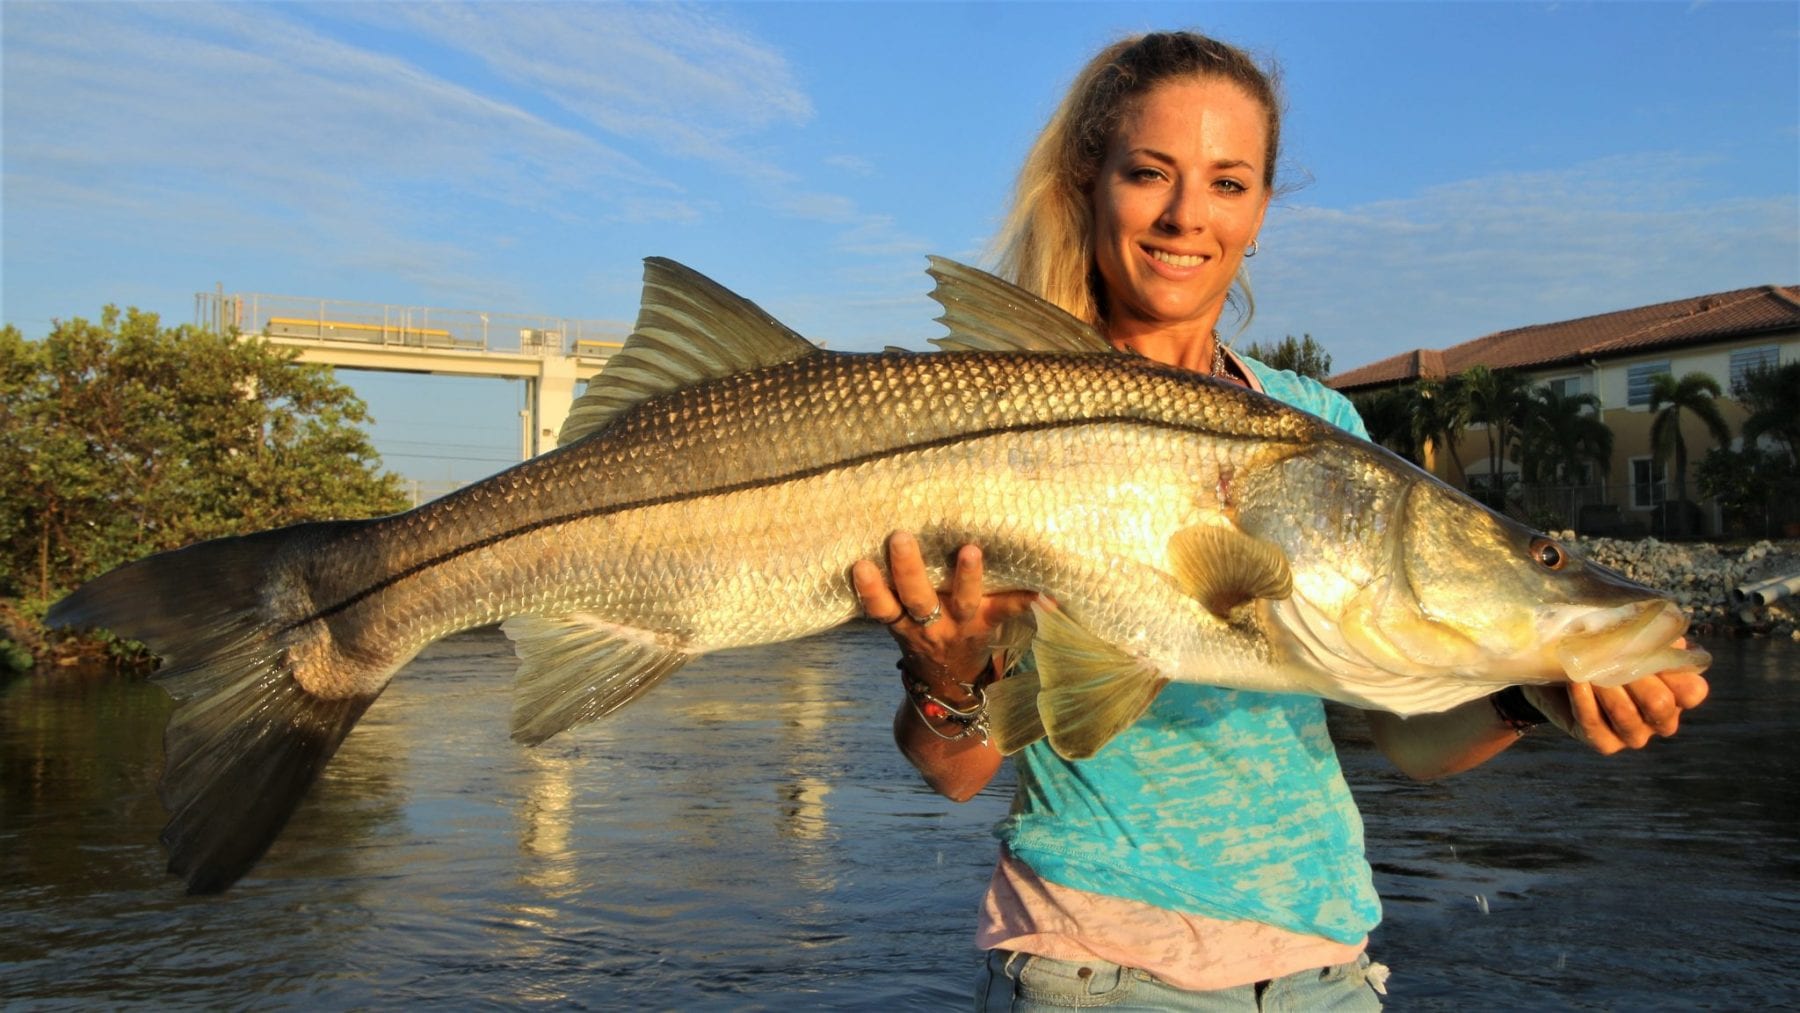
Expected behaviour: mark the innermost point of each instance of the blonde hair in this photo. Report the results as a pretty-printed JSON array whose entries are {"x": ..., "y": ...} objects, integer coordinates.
[{"x": 1046, "y": 244}]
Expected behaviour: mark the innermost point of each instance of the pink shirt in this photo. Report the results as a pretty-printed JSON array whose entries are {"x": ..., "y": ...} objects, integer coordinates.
[{"x": 1030, "y": 915}]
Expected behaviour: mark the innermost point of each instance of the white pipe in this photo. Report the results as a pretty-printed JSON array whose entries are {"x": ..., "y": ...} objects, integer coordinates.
[
  {"x": 1775, "y": 590},
  {"x": 1765, "y": 592}
]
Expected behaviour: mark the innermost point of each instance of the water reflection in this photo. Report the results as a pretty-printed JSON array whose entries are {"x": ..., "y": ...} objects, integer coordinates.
[{"x": 748, "y": 837}]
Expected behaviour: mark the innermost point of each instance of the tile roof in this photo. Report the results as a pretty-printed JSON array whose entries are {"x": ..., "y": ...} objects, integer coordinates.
[{"x": 1721, "y": 315}]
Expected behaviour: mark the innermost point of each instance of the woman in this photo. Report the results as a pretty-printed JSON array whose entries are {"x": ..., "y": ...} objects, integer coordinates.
[{"x": 1211, "y": 856}]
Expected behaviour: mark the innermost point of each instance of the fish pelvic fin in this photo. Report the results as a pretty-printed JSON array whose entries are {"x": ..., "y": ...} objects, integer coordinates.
[
  {"x": 987, "y": 314},
  {"x": 246, "y": 739},
  {"x": 1012, "y": 712},
  {"x": 1088, "y": 690},
  {"x": 690, "y": 329},
  {"x": 1222, "y": 567},
  {"x": 576, "y": 668}
]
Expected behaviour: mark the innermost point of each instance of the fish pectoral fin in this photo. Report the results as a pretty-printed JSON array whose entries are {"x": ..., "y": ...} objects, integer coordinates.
[
  {"x": 690, "y": 329},
  {"x": 576, "y": 668},
  {"x": 1012, "y": 712},
  {"x": 1223, "y": 567},
  {"x": 1088, "y": 690},
  {"x": 987, "y": 314}
]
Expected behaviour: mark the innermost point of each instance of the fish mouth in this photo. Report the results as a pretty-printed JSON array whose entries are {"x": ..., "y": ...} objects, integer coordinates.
[{"x": 1610, "y": 647}]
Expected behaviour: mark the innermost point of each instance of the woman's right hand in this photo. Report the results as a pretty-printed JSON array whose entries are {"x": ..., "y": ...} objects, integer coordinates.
[{"x": 947, "y": 640}]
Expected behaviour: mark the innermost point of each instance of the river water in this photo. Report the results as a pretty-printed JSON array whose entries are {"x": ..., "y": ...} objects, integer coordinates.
[{"x": 746, "y": 837}]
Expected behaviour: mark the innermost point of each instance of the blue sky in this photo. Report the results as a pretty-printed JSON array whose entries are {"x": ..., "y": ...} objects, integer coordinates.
[{"x": 1456, "y": 168}]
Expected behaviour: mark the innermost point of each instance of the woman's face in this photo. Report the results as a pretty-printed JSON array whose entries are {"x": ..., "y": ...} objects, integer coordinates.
[{"x": 1179, "y": 196}]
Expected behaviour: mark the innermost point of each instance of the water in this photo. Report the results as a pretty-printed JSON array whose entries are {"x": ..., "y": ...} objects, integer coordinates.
[{"x": 746, "y": 837}]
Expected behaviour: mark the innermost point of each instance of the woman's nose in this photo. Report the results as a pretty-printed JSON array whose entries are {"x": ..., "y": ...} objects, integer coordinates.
[{"x": 1185, "y": 211}]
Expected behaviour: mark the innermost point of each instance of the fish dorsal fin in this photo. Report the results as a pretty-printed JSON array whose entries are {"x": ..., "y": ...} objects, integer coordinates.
[
  {"x": 986, "y": 314},
  {"x": 1223, "y": 567},
  {"x": 690, "y": 329},
  {"x": 1088, "y": 690},
  {"x": 576, "y": 668}
]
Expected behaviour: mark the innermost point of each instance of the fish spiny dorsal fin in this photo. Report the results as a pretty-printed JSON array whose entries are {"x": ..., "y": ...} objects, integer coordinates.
[
  {"x": 1223, "y": 568},
  {"x": 576, "y": 668},
  {"x": 1088, "y": 690},
  {"x": 986, "y": 314},
  {"x": 690, "y": 329}
]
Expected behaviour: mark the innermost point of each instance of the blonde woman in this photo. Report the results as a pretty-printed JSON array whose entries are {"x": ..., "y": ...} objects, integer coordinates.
[{"x": 1211, "y": 856}]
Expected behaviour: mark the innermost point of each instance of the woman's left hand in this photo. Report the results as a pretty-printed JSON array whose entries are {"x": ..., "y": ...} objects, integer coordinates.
[{"x": 1611, "y": 718}]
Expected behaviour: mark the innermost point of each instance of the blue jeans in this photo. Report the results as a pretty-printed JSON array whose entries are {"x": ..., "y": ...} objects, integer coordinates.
[{"x": 1023, "y": 983}]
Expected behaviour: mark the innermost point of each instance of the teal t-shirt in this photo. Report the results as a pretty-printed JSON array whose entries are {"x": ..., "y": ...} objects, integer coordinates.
[{"x": 1218, "y": 802}]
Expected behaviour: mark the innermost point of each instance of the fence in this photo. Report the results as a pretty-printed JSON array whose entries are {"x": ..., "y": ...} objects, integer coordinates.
[{"x": 415, "y": 326}]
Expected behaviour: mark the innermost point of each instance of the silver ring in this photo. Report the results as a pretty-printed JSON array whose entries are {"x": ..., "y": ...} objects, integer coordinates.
[{"x": 937, "y": 612}]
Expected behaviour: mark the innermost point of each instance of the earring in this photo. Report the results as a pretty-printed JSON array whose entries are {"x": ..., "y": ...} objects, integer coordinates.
[{"x": 1250, "y": 251}]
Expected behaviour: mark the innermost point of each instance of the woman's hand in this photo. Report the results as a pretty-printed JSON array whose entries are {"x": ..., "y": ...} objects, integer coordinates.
[
  {"x": 952, "y": 632},
  {"x": 1611, "y": 718},
  {"x": 947, "y": 640}
]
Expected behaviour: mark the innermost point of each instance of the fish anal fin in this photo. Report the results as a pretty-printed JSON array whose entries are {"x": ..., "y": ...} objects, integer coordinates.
[
  {"x": 577, "y": 668},
  {"x": 690, "y": 329},
  {"x": 1222, "y": 567},
  {"x": 1088, "y": 690},
  {"x": 984, "y": 313}
]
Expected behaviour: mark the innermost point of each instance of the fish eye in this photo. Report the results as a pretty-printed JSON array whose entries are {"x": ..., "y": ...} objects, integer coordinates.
[{"x": 1548, "y": 554}]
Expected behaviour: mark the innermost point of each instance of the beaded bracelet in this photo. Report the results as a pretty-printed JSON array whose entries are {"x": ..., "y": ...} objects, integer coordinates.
[{"x": 972, "y": 720}]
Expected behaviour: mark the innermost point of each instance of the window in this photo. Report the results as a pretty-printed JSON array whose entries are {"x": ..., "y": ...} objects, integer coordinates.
[
  {"x": 1745, "y": 360},
  {"x": 1638, "y": 379},
  {"x": 1646, "y": 483},
  {"x": 1566, "y": 386}
]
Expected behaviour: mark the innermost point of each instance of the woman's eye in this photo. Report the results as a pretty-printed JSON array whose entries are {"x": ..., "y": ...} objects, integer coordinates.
[
  {"x": 1146, "y": 175},
  {"x": 1231, "y": 186}
]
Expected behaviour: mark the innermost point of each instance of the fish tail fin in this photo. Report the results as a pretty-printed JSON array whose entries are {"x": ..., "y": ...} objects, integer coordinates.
[{"x": 247, "y": 738}]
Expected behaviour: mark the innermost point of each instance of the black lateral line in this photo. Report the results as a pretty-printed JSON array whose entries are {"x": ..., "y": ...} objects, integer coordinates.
[{"x": 736, "y": 487}]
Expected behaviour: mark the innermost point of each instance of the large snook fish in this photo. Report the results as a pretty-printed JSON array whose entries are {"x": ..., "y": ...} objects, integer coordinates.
[{"x": 718, "y": 480}]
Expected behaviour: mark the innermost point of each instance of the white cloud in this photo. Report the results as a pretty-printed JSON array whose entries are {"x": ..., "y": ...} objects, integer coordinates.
[
  {"x": 1513, "y": 249},
  {"x": 852, "y": 164},
  {"x": 409, "y": 139}
]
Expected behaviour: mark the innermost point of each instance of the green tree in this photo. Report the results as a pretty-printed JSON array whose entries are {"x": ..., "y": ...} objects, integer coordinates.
[
  {"x": 1304, "y": 356},
  {"x": 1440, "y": 413},
  {"x": 1562, "y": 434},
  {"x": 1694, "y": 394},
  {"x": 1772, "y": 397},
  {"x": 1387, "y": 415},
  {"x": 125, "y": 437},
  {"x": 1757, "y": 489},
  {"x": 1498, "y": 399}
]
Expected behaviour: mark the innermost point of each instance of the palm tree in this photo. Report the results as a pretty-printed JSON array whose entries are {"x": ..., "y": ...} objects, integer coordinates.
[
  {"x": 1387, "y": 415},
  {"x": 1694, "y": 393},
  {"x": 1499, "y": 399},
  {"x": 1561, "y": 436},
  {"x": 1563, "y": 433},
  {"x": 1772, "y": 396},
  {"x": 1440, "y": 413}
]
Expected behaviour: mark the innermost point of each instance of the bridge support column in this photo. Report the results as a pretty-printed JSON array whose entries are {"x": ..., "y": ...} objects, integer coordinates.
[{"x": 551, "y": 394}]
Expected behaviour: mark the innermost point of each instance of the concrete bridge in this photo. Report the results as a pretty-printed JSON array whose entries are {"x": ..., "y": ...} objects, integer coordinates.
[{"x": 551, "y": 355}]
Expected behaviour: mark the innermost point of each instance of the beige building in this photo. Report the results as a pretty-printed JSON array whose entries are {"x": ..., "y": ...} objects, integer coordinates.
[{"x": 1613, "y": 356}]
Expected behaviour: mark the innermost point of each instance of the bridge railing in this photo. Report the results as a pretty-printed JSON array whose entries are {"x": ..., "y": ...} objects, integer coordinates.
[{"x": 407, "y": 326}]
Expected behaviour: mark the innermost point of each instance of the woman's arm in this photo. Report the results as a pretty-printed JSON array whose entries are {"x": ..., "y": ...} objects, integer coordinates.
[
  {"x": 942, "y": 656},
  {"x": 1605, "y": 718}
]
